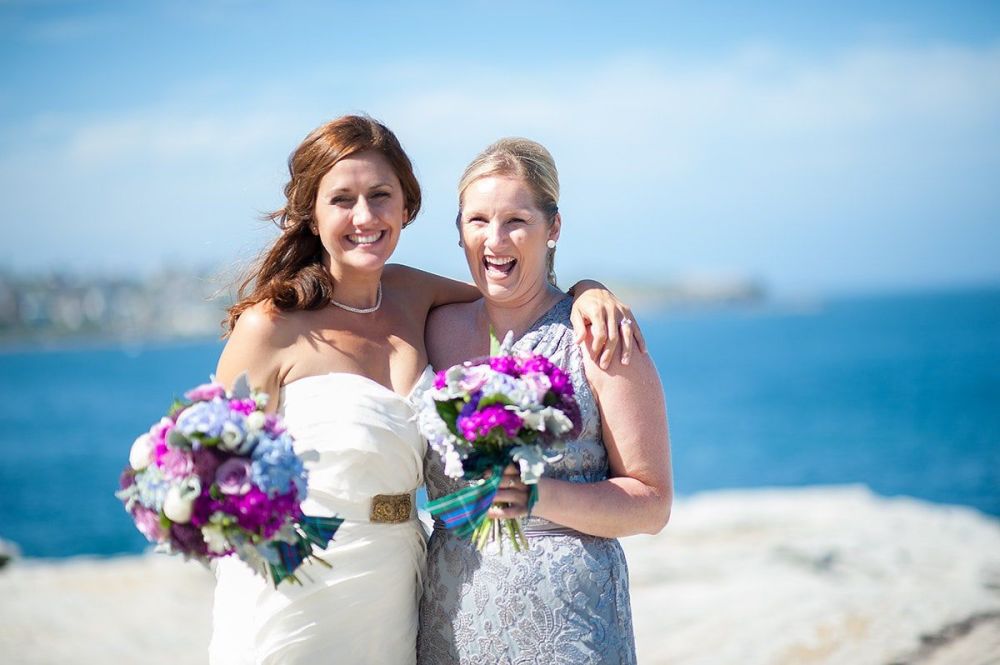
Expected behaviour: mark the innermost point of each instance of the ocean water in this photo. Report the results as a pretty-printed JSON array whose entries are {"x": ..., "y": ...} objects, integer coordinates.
[{"x": 901, "y": 393}]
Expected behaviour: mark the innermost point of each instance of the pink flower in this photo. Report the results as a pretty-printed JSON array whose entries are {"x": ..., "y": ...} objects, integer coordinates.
[
  {"x": 148, "y": 523},
  {"x": 175, "y": 463},
  {"x": 206, "y": 392},
  {"x": 475, "y": 378},
  {"x": 159, "y": 432}
]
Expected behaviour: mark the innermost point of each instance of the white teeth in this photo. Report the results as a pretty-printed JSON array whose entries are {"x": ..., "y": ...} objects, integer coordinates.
[
  {"x": 362, "y": 240},
  {"x": 497, "y": 261}
]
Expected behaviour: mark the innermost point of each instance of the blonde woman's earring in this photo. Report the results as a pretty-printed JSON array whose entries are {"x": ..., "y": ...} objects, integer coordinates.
[{"x": 551, "y": 244}]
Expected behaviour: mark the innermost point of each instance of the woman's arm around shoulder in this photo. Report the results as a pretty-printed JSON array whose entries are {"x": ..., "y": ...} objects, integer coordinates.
[
  {"x": 638, "y": 495},
  {"x": 258, "y": 346},
  {"x": 427, "y": 288}
]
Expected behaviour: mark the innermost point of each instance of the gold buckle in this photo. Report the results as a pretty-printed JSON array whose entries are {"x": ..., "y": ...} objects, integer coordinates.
[{"x": 391, "y": 508}]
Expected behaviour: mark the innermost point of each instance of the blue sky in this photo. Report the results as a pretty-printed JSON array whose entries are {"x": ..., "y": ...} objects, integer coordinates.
[{"x": 846, "y": 147}]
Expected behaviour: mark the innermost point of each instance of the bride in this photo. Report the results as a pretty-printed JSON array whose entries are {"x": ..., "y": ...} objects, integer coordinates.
[{"x": 336, "y": 337}]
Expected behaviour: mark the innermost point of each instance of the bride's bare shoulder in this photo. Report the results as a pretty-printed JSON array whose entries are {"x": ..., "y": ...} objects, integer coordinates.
[{"x": 263, "y": 323}]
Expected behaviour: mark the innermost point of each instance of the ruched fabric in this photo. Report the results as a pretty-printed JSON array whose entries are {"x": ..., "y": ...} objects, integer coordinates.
[{"x": 360, "y": 440}]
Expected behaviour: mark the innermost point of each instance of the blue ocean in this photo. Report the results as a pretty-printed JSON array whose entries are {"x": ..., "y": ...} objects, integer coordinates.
[{"x": 899, "y": 392}]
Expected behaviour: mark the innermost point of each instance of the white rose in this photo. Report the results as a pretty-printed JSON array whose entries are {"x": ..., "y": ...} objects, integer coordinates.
[
  {"x": 141, "y": 454},
  {"x": 232, "y": 436},
  {"x": 178, "y": 505},
  {"x": 256, "y": 420}
]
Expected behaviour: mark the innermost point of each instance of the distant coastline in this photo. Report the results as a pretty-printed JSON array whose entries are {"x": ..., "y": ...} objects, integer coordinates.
[{"x": 56, "y": 310}]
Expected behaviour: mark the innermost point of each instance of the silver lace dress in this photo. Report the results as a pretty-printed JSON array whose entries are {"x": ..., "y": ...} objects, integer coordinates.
[{"x": 566, "y": 599}]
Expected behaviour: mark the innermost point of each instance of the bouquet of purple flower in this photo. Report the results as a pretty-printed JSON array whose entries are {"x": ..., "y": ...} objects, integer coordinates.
[
  {"x": 217, "y": 477},
  {"x": 485, "y": 414}
]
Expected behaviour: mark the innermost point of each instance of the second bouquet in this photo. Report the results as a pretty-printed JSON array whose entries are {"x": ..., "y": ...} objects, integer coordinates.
[{"x": 483, "y": 415}]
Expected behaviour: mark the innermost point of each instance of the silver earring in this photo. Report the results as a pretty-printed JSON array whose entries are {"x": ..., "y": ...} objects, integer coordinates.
[{"x": 551, "y": 244}]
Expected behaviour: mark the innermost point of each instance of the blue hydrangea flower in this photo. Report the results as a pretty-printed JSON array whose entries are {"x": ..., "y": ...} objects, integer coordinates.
[
  {"x": 276, "y": 467},
  {"x": 152, "y": 488},
  {"x": 205, "y": 418}
]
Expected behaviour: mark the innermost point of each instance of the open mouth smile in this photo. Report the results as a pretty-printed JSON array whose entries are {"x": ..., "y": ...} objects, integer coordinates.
[{"x": 498, "y": 267}]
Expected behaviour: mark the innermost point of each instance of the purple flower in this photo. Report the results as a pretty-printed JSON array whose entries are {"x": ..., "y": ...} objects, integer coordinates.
[
  {"x": 244, "y": 406},
  {"x": 470, "y": 407},
  {"x": 188, "y": 538},
  {"x": 206, "y": 461},
  {"x": 148, "y": 523},
  {"x": 539, "y": 364},
  {"x": 175, "y": 463},
  {"x": 505, "y": 365},
  {"x": 233, "y": 476},
  {"x": 127, "y": 479},
  {"x": 481, "y": 423},
  {"x": 206, "y": 392},
  {"x": 255, "y": 511},
  {"x": 561, "y": 383},
  {"x": 440, "y": 380},
  {"x": 273, "y": 425}
]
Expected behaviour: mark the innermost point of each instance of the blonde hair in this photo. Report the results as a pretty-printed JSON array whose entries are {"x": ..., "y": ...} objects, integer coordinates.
[{"x": 519, "y": 158}]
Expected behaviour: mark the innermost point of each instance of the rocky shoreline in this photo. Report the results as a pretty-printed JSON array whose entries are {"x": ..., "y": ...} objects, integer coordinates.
[{"x": 772, "y": 577}]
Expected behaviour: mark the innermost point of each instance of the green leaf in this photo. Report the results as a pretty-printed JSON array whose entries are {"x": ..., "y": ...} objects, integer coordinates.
[
  {"x": 495, "y": 398},
  {"x": 494, "y": 342},
  {"x": 448, "y": 411}
]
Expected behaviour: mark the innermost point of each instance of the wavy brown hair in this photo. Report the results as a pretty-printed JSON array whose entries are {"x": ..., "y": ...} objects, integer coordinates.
[{"x": 291, "y": 273}]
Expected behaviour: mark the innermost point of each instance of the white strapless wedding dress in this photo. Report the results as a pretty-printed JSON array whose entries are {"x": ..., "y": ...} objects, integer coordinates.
[{"x": 364, "y": 608}]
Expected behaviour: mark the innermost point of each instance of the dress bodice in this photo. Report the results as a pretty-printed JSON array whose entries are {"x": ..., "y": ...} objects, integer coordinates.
[{"x": 358, "y": 438}]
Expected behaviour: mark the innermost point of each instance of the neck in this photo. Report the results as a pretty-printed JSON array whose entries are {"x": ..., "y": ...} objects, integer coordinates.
[
  {"x": 358, "y": 290},
  {"x": 517, "y": 316}
]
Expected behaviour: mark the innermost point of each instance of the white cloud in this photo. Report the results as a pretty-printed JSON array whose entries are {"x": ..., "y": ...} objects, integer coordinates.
[{"x": 758, "y": 161}]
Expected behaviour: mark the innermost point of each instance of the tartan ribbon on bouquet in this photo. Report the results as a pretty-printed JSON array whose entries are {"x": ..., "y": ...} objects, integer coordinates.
[{"x": 465, "y": 510}]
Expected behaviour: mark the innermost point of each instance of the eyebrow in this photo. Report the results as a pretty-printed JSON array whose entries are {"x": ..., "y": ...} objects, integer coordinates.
[
  {"x": 509, "y": 212},
  {"x": 338, "y": 190}
]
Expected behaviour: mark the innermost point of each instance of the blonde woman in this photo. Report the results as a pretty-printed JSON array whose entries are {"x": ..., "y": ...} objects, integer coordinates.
[{"x": 566, "y": 599}]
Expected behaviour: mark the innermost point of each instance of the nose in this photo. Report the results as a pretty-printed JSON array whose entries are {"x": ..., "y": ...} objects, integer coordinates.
[
  {"x": 362, "y": 212},
  {"x": 495, "y": 235}
]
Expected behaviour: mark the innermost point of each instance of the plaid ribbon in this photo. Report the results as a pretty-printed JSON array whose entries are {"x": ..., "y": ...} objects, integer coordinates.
[
  {"x": 463, "y": 511},
  {"x": 312, "y": 532}
]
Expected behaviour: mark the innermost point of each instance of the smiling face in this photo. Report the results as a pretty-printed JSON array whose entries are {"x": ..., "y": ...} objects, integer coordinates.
[
  {"x": 504, "y": 235},
  {"x": 359, "y": 213}
]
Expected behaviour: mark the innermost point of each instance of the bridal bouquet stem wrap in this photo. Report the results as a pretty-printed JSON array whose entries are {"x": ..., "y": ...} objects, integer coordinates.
[
  {"x": 219, "y": 477},
  {"x": 485, "y": 414}
]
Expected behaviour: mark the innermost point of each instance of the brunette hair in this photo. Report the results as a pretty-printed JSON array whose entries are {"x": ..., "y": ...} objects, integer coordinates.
[
  {"x": 525, "y": 159},
  {"x": 291, "y": 273}
]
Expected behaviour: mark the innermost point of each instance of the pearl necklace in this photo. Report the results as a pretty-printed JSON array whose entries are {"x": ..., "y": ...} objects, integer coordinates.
[{"x": 361, "y": 310}]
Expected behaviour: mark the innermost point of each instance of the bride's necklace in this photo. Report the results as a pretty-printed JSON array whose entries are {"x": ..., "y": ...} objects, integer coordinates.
[{"x": 361, "y": 310}]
